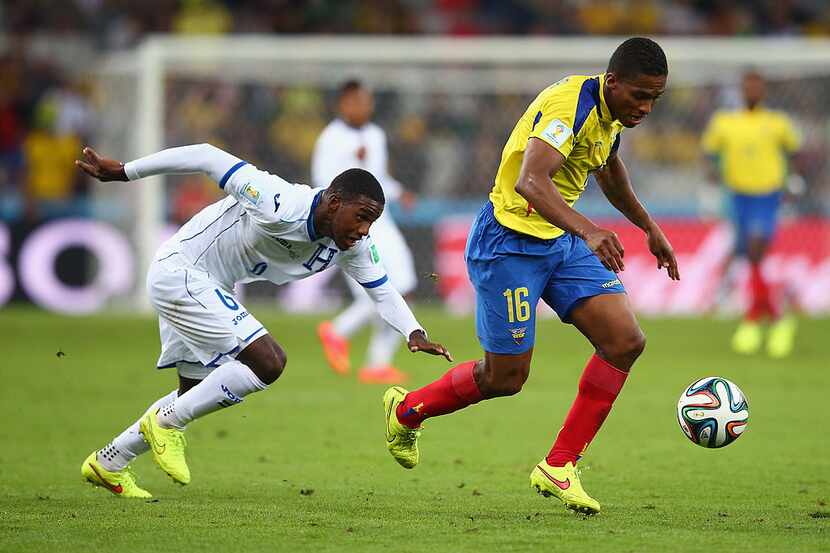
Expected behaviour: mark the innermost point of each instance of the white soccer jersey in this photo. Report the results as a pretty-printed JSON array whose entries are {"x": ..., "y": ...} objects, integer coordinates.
[
  {"x": 264, "y": 230},
  {"x": 340, "y": 147}
]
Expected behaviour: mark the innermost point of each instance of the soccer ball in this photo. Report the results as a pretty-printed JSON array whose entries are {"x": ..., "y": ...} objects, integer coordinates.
[{"x": 713, "y": 412}]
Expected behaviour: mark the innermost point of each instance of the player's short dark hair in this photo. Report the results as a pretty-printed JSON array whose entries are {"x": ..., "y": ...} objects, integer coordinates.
[
  {"x": 354, "y": 183},
  {"x": 349, "y": 86},
  {"x": 638, "y": 56}
]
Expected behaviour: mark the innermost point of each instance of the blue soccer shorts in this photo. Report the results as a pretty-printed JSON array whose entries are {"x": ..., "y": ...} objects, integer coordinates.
[
  {"x": 754, "y": 216},
  {"x": 511, "y": 271}
]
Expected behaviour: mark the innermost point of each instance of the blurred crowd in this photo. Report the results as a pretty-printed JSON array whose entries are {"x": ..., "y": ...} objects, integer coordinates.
[
  {"x": 120, "y": 23},
  {"x": 275, "y": 127},
  {"x": 45, "y": 116},
  {"x": 49, "y": 108}
]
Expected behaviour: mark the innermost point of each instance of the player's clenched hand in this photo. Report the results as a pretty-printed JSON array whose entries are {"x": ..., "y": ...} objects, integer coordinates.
[
  {"x": 418, "y": 342},
  {"x": 607, "y": 246},
  {"x": 102, "y": 168},
  {"x": 660, "y": 247}
]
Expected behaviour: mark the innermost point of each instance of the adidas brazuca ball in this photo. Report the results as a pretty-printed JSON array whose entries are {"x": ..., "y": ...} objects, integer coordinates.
[{"x": 713, "y": 412}]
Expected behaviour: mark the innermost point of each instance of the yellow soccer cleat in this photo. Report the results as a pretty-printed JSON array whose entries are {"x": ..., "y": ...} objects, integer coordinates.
[
  {"x": 563, "y": 483},
  {"x": 168, "y": 446},
  {"x": 781, "y": 338},
  {"x": 401, "y": 441},
  {"x": 121, "y": 483},
  {"x": 748, "y": 338}
]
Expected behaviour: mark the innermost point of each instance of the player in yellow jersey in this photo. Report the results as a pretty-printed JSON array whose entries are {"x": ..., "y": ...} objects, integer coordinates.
[
  {"x": 748, "y": 150},
  {"x": 528, "y": 243}
]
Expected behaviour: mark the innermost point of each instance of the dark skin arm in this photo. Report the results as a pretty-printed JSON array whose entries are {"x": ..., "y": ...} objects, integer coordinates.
[
  {"x": 615, "y": 184},
  {"x": 540, "y": 162}
]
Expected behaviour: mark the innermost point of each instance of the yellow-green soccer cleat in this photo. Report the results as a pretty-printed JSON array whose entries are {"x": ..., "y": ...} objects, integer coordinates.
[
  {"x": 748, "y": 338},
  {"x": 563, "y": 483},
  {"x": 401, "y": 441},
  {"x": 781, "y": 338},
  {"x": 121, "y": 483},
  {"x": 168, "y": 446}
]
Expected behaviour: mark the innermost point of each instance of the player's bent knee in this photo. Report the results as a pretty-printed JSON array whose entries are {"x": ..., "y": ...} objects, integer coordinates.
[
  {"x": 624, "y": 349},
  {"x": 271, "y": 368},
  {"x": 503, "y": 384},
  {"x": 632, "y": 345},
  {"x": 266, "y": 358}
]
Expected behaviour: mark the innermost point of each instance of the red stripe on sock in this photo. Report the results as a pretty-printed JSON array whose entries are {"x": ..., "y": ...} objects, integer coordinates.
[
  {"x": 453, "y": 391},
  {"x": 599, "y": 386}
]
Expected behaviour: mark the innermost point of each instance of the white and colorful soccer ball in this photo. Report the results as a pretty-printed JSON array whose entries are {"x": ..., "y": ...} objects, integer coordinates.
[{"x": 713, "y": 412}]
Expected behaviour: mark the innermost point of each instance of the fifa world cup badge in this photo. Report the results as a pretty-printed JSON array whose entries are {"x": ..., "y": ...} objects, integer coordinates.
[{"x": 251, "y": 194}]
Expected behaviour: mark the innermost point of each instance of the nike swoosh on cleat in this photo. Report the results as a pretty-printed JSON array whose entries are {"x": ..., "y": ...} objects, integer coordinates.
[
  {"x": 159, "y": 449},
  {"x": 114, "y": 489},
  {"x": 561, "y": 484}
]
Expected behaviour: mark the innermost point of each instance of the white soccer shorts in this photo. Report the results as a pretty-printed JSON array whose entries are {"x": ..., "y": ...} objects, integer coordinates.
[{"x": 200, "y": 323}]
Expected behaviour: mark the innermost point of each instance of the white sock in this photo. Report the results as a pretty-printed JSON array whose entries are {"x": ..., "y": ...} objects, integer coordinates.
[
  {"x": 128, "y": 445},
  {"x": 224, "y": 387},
  {"x": 355, "y": 316},
  {"x": 383, "y": 344}
]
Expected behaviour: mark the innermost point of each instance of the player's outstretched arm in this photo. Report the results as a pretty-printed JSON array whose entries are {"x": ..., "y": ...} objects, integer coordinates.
[
  {"x": 395, "y": 311},
  {"x": 196, "y": 158},
  {"x": 540, "y": 162},
  {"x": 615, "y": 184}
]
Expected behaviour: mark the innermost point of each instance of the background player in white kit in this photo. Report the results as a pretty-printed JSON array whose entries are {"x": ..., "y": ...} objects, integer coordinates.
[
  {"x": 352, "y": 140},
  {"x": 266, "y": 229}
]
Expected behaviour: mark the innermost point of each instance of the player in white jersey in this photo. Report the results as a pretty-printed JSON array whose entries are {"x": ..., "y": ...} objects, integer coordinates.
[
  {"x": 266, "y": 229},
  {"x": 352, "y": 140}
]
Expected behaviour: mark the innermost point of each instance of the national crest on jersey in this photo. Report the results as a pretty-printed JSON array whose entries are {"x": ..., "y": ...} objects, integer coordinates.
[{"x": 570, "y": 115}]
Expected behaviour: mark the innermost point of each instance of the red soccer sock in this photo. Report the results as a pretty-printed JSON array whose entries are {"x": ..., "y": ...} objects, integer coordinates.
[
  {"x": 760, "y": 298},
  {"x": 453, "y": 391},
  {"x": 599, "y": 386}
]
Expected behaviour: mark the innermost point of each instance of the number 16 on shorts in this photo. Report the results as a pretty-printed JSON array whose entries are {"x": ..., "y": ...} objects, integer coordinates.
[{"x": 518, "y": 308}]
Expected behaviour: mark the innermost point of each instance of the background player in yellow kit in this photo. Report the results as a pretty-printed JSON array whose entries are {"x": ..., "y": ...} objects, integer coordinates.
[
  {"x": 747, "y": 149},
  {"x": 528, "y": 243}
]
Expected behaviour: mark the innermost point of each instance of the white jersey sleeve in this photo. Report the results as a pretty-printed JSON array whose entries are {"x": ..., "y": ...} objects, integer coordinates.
[
  {"x": 196, "y": 158},
  {"x": 266, "y": 197},
  {"x": 363, "y": 264}
]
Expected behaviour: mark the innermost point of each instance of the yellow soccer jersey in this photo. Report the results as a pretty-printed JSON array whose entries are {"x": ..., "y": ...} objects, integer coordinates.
[
  {"x": 571, "y": 115},
  {"x": 752, "y": 146}
]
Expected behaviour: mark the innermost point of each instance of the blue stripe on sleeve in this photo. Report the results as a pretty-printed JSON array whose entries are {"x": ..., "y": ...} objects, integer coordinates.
[
  {"x": 375, "y": 283},
  {"x": 588, "y": 100},
  {"x": 230, "y": 173},
  {"x": 536, "y": 121}
]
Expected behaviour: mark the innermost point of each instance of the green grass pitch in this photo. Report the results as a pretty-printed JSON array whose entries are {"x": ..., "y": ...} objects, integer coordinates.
[{"x": 303, "y": 466}]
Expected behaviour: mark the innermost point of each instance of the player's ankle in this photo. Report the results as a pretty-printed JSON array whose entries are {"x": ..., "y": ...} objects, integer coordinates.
[{"x": 560, "y": 459}]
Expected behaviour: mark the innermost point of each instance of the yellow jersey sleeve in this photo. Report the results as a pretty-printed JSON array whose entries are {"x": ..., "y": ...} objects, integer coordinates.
[
  {"x": 712, "y": 140},
  {"x": 790, "y": 138},
  {"x": 554, "y": 123}
]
